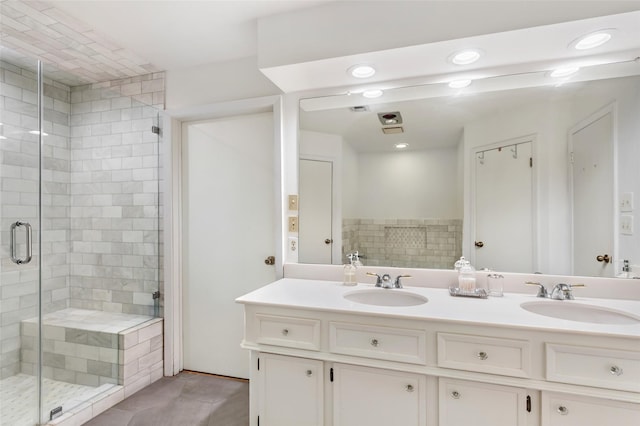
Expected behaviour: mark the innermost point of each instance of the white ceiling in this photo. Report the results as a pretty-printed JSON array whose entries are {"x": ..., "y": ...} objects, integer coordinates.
[{"x": 181, "y": 33}]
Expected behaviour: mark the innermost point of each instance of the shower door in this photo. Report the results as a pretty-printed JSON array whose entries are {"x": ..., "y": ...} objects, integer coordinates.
[{"x": 20, "y": 271}]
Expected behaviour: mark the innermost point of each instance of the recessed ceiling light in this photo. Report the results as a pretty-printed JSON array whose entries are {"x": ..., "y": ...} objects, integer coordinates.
[
  {"x": 592, "y": 40},
  {"x": 459, "y": 84},
  {"x": 362, "y": 71},
  {"x": 401, "y": 145},
  {"x": 37, "y": 132},
  {"x": 371, "y": 94},
  {"x": 465, "y": 57},
  {"x": 564, "y": 72}
]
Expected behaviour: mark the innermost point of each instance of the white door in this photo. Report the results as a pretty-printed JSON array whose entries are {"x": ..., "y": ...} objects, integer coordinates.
[
  {"x": 463, "y": 403},
  {"x": 291, "y": 391},
  {"x": 377, "y": 397},
  {"x": 228, "y": 229},
  {"x": 315, "y": 207},
  {"x": 593, "y": 189},
  {"x": 504, "y": 208}
]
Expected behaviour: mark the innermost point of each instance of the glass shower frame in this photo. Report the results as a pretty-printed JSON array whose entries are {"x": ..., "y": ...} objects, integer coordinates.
[{"x": 147, "y": 239}]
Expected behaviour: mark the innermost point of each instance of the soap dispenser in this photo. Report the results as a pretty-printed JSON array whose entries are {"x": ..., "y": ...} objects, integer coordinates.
[
  {"x": 349, "y": 278},
  {"x": 466, "y": 275}
]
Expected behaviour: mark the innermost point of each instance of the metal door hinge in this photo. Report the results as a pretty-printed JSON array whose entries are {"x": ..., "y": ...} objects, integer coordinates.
[
  {"x": 530, "y": 161},
  {"x": 155, "y": 129},
  {"x": 55, "y": 413},
  {"x": 528, "y": 403},
  {"x": 331, "y": 374},
  {"x": 156, "y": 294}
]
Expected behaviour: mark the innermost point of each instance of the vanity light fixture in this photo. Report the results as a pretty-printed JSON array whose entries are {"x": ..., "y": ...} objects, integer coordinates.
[
  {"x": 372, "y": 94},
  {"x": 362, "y": 71},
  {"x": 459, "y": 84},
  {"x": 401, "y": 145},
  {"x": 564, "y": 72},
  {"x": 465, "y": 57},
  {"x": 592, "y": 40}
]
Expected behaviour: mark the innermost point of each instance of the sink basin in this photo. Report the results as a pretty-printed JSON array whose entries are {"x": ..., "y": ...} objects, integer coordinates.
[
  {"x": 385, "y": 297},
  {"x": 579, "y": 312}
]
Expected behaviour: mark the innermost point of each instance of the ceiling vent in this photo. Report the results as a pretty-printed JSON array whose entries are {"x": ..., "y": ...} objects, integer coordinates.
[
  {"x": 359, "y": 108},
  {"x": 390, "y": 118},
  {"x": 392, "y": 130}
]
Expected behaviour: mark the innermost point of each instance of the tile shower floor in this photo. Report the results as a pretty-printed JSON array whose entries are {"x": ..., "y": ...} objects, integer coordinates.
[{"x": 19, "y": 399}]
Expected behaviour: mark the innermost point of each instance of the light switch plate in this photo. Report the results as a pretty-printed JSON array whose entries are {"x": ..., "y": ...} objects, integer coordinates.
[
  {"x": 626, "y": 224},
  {"x": 626, "y": 202},
  {"x": 293, "y": 202},
  {"x": 293, "y": 224}
]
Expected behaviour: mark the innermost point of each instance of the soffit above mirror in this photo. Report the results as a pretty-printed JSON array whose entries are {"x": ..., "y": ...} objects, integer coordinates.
[{"x": 543, "y": 47}]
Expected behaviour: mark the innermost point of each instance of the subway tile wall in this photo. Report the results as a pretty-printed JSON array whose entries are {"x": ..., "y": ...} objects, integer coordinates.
[
  {"x": 405, "y": 243},
  {"x": 100, "y": 215}
]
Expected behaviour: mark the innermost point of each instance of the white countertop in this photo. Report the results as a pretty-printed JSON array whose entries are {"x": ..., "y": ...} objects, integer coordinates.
[{"x": 494, "y": 311}]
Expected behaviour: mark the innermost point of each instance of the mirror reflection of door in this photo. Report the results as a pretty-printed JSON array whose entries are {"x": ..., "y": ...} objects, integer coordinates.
[
  {"x": 591, "y": 145},
  {"x": 504, "y": 208},
  {"x": 314, "y": 210}
]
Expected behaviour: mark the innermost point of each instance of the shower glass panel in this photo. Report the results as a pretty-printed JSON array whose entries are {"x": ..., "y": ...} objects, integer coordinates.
[
  {"x": 19, "y": 236},
  {"x": 80, "y": 181}
]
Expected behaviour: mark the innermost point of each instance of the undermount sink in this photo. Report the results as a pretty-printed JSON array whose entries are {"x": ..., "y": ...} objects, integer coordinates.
[
  {"x": 579, "y": 312},
  {"x": 385, "y": 297}
]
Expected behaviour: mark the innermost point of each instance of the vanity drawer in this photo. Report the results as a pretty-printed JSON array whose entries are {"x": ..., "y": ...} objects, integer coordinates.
[
  {"x": 386, "y": 343},
  {"x": 508, "y": 357},
  {"x": 301, "y": 333},
  {"x": 589, "y": 366}
]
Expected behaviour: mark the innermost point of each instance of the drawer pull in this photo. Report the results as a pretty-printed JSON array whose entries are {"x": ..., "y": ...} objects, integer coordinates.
[
  {"x": 285, "y": 331},
  {"x": 482, "y": 355},
  {"x": 409, "y": 388},
  {"x": 375, "y": 343},
  {"x": 563, "y": 410},
  {"x": 309, "y": 373},
  {"x": 455, "y": 395},
  {"x": 615, "y": 370}
]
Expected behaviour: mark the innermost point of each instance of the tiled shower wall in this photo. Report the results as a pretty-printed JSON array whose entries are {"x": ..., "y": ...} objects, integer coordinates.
[
  {"x": 410, "y": 243},
  {"x": 100, "y": 184}
]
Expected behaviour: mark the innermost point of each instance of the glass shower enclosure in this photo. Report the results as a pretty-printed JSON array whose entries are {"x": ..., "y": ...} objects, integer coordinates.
[{"x": 80, "y": 234}]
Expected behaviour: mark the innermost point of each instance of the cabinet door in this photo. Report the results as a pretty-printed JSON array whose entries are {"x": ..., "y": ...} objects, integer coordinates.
[
  {"x": 463, "y": 403},
  {"x": 290, "y": 391},
  {"x": 372, "y": 397},
  {"x": 570, "y": 410}
]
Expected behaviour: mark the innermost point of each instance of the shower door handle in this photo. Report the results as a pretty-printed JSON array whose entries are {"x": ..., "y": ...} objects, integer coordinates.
[{"x": 14, "y": 257}]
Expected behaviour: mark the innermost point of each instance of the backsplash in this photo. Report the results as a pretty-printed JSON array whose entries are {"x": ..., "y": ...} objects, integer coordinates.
[{"x": 411, "y": 243}]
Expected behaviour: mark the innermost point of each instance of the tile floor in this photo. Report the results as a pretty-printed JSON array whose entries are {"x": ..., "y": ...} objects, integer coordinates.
[{"x": 188, "y": 399}]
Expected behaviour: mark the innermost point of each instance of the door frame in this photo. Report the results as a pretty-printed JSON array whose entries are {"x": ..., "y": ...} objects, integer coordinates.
[
  {"x": 173, "y": 251},
  {"x": 611, "y": 108},
  {"x": 336, "y": 203},
  {"x": 534, "y": 194}
]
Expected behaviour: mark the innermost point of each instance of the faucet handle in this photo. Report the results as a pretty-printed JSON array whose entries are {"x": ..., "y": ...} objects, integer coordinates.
[
  {"x": 378, "y": 279},
  {"x": 562, "y": 291},
  {"x": 542, "y": 290},
  {"x": 397, "y": 283}
]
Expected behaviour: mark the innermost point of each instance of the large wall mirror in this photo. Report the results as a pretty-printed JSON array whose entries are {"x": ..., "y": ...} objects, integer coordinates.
[{"x": 519, "y": 173}]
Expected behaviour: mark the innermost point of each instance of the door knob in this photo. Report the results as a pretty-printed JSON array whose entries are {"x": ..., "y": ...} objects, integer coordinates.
[
  {"x": 479, "y": 244},
  {"x": 271, "y": 260},
  {"x": 328, "y": 241},
  {"x": 605, "y": 258}
]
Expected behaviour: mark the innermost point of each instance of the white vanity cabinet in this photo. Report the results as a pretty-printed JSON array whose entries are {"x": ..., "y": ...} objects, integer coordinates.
[
  {"x": 291, "y": 391},
  {"x": 463, "y": 403},
  {"x": 377, "y": 397}
]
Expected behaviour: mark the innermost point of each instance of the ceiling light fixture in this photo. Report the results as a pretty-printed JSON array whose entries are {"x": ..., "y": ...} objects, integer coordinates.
[
  {"x": 372, "y": 94},
  {"x": 564, "y": 72},
  {"x": 459, "y": 84},
  {"x": 401, "y": 145},
  {"x": 465, "y": 57},
  {"x": 592, "y": 40},
  {"x": 362, "y": 71}
]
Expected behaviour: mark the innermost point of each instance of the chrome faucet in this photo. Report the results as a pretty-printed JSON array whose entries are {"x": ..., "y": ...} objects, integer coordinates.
[
  {"x": 384, "y": 281},
  {"x": 561, "y": 291}
]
